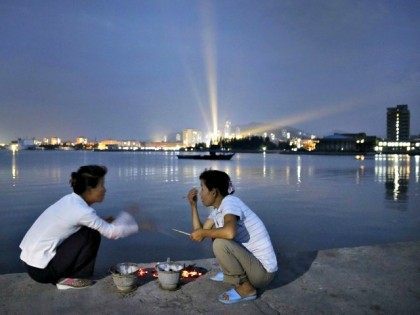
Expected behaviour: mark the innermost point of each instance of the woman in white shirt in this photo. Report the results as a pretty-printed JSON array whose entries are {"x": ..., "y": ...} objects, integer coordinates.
[
  {"x": 241, "y": 243},
  {"x": 61, "y": 246}
]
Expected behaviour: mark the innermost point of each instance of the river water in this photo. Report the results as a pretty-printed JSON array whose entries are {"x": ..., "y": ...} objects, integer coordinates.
[{"x": 307, "y": 202}]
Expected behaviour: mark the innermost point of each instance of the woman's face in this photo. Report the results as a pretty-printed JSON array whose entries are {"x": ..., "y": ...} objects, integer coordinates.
[
  {"x": 208, "y": 197},
  {"x": 96, "y": 194}
]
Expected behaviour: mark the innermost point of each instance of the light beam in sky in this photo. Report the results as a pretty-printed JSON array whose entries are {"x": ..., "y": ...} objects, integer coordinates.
[
  {"x": 210, "y": 60},
  {"x": 192, "y": 80},
  {"x": 314, "y": 114}
]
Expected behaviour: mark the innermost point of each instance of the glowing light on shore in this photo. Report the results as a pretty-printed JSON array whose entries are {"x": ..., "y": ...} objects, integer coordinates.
[{"x": 210, "y": 61}]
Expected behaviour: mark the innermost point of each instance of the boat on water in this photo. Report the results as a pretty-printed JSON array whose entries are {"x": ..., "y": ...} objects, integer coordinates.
[{"x": 211, "y": 156}]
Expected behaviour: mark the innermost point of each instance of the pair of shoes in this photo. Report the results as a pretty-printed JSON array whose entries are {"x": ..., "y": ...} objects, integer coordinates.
[
  {"x": 74, "y": 283},
  {"x": 235, "y": 297},
  {"x": 217, "y": 277}
]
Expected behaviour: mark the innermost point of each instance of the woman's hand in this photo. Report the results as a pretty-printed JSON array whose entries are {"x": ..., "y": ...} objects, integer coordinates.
[
  {"x": 192, "y": 197},
  {"x": 197, "y": 235},
  {"x": 109, "y": 219}
]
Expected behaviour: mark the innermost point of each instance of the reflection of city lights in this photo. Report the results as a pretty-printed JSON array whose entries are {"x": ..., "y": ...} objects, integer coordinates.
[
  {"x": 264, "y": 165},
  {"x": 394, "y": 171},
  {"x": 14, "y": 168},
  {"x": 298, "y": 169},
  {"x": 396, "y": 181},
  {"x": 417, "y": 162},
  {"x": 238, "y": 172},
  {"x": 360, "y": 173}
]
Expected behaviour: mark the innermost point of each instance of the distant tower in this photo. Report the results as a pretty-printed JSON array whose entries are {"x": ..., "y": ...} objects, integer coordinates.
[
  {"x": 190, "y": 137},
  {"x": 227, "y": 129},
  {"x": 398, "y": 123}
]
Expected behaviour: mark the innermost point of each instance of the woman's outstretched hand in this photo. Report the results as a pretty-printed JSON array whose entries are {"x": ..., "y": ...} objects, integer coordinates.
[
  {"x": 144, "y": 222},
  {"x": 109, "y": 219},
  {"x": 192, "y": 197}
]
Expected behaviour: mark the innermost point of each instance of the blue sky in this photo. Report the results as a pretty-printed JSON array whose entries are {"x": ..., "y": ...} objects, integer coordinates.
[{"x": 141, "y": 69}]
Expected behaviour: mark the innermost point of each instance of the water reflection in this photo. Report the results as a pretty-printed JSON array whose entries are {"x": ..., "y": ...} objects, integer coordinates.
[
  {"x": 168, "y": 172},
  {"x": 394, "y": 171},
  {"x": 264, "y": 164},
  {"x": 288, "y": 175},
  {"x": 292, "y": 194},
  {"x": 298, "y": 169},
  {"x": 15, "y": 171},
  {"x": 360, "y": 173}
]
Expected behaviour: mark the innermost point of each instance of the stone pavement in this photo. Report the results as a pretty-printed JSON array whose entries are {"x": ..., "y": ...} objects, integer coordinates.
[{"x": 380, "y": 279}]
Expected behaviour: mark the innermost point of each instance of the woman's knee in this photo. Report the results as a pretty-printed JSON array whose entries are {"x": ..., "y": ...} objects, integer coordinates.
[{"x": 220, "y": 245}]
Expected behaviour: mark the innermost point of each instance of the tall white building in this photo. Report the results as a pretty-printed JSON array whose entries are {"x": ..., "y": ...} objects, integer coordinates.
[
  {"x": 190, "y": 137},
  {"x": 227, "y": 131}
]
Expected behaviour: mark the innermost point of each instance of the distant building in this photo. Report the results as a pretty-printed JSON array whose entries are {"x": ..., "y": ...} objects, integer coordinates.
[
  {"x": 398, "y": 123},
  {"x": 227, "y": 130},
  {"x": 130, "y": 145},
  {"x": 23, "y": 144},
  {"x": 55, "y": 141},
  {"x": 81, "y": 140},
  {"x": 347, "y": 143},
  {"x": 190, "y": 137},
  {"x": 163, "y": 145},
  {"x": 109, "y": 144}
]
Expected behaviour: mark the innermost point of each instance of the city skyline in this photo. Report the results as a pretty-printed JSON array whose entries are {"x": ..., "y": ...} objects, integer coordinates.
[{"x": 144, "y": 69}]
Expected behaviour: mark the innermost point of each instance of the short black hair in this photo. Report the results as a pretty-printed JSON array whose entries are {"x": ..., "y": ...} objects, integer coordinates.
[
  {"x": 219, "y": 180},
  {"x": 87, "y": 176}
]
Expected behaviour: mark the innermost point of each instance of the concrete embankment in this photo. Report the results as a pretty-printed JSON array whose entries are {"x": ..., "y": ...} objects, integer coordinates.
[{"x": 361, "y": 280}]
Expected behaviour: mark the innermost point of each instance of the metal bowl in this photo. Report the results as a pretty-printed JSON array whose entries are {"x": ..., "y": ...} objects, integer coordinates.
[
  {"x": 125, "y": 276},
  {"x": 168, "y": 274}
]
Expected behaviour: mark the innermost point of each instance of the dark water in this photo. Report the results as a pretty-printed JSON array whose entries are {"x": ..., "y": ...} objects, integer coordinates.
[{"x": 307, "y": 202}]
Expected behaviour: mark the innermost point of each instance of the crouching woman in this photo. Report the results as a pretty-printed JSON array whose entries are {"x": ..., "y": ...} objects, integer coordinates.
[
  {"x": 241, "y": 243},
  {"x": 62, "y": 245}
]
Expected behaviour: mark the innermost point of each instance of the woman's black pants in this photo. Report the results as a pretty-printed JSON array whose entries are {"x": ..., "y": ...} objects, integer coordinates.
[{"x": 75, "y": 258}]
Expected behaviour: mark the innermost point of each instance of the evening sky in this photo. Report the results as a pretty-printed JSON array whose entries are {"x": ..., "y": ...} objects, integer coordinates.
[{"x": 141, "y": 69}]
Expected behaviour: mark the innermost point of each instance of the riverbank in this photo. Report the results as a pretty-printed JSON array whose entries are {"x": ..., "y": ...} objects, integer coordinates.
[{"x": 368, "y": 280}]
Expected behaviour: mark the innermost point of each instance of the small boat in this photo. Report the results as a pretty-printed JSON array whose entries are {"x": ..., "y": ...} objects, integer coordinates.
[{"x": 211, "y": 156}]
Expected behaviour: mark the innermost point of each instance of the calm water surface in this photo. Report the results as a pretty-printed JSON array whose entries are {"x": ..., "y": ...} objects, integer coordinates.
[{"x": 307, "y": 202}]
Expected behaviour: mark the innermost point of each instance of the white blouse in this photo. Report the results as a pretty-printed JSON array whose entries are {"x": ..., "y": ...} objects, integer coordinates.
[{"x": 62, "y": 219}]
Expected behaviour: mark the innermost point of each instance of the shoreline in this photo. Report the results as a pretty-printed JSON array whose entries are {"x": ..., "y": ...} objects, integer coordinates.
[
  {"x": 317, "y": 153},
  {"x": 367, "y": 279}
]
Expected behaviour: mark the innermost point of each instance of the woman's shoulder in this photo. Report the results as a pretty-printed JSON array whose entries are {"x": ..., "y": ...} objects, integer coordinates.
[
  {"x": 231, "y": 202},
  {"x": 230, "y": 199},
  {"x": 75, "y": 201}
]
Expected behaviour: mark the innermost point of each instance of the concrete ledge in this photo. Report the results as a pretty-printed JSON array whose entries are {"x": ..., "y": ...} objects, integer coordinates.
[{"x": 368, "y": 280}]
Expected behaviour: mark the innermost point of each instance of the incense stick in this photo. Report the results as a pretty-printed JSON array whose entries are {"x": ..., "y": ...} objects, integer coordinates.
[{"x": 182, "y": 232}]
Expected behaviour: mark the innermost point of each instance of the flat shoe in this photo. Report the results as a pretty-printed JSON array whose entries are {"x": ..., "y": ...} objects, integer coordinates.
[
  {"x": 73, "y": 283},
  {"x": 217, "y": 277},
  {"x": 235, "y": 297}
]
